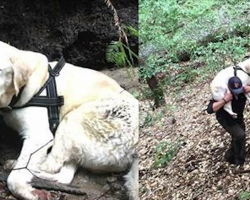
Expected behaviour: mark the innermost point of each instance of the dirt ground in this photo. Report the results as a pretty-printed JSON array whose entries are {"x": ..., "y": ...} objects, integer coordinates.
[{"x": 198, "y": 171}]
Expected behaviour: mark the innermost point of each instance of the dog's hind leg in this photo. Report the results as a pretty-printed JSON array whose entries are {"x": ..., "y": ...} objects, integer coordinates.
[
  {"x": 62, "y": 151},
  {"x": 65, "y": 175}
]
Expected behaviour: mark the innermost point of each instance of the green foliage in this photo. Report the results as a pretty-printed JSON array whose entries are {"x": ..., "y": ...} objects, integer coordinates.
[
  {"x": 115, "y": 54},
  {"x": 154, "y": 66},
  {"x": 150, "y": 119},
  {"x": 154, "y": 118},
  {"x": 157, "y": 18},
  {"x": 165, "y": 152},
  {"x": 120, "y": 53},
  {"x": 244, "y": 195},
  {"x": 214, "y": 33},
  {"x": 131, "y": 31}
]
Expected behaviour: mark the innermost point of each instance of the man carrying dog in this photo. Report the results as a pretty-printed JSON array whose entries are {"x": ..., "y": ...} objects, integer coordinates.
[{"x": 234, "y": 126}]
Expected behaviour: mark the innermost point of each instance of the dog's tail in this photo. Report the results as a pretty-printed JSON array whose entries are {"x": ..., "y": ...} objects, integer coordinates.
[{"x": 132, "y": 179}]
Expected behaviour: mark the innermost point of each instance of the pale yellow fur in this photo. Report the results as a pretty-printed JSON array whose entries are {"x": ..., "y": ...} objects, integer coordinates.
[{"x": 98, "y": 126}]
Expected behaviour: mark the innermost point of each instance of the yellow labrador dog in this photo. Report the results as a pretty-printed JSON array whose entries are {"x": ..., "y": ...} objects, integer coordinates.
[
  {"x": 219, "y": 85},
  {"x": 98, "y": 127}
]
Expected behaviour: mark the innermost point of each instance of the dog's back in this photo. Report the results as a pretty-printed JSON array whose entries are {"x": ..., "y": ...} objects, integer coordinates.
[
  {"x": 79, "y": 85},
  {"x": 218, "y": 86}
]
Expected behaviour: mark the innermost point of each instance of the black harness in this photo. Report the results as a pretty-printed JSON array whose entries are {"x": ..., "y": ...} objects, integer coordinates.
[
  {"x": 236, "y": 68},
  {"x": 52, "y": 101}
]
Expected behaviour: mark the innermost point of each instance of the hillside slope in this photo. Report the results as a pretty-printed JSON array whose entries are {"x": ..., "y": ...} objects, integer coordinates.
[{"x": 198, "y": 171}]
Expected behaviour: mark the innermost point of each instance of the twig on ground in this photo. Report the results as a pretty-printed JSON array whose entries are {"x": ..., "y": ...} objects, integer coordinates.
[
  {"x": 48, "y": 185},
  {"x": 103, "y": 194},
  {"x": 242, "y": 171}
]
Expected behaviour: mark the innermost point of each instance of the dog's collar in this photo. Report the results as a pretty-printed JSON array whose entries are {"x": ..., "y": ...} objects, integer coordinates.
[{"x": 52, "y": 101}]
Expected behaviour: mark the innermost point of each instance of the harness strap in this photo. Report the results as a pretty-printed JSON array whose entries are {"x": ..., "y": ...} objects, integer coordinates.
[
  {"x": 44, "y": 100},
  {"x": 51, "y": 101},
  {"x": 53, "y": 73},
  {"x": 53, "y": 111},
  {"x": 239, "y": 68}
]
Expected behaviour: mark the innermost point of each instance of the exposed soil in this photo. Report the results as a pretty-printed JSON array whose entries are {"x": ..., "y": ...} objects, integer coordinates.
[{"x": 78, "y": 29}]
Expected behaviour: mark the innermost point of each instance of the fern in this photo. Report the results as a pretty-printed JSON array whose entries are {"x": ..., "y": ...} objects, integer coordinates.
[
  {"x": 119, "y": 54},
  {"x": 115, "y": 55}
]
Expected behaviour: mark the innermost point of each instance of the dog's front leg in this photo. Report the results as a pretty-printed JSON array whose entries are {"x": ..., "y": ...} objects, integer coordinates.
[
  {"x": 228, "y": 108},
  {"x": 22, "y": 174},
  {"x": 37, "y": 139}
]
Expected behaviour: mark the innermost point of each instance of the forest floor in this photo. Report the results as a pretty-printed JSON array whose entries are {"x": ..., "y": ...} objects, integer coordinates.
[{"x": 198, "y": 170}]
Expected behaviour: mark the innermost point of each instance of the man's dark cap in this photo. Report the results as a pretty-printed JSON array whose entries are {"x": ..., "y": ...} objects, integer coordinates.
[{"x": 235, "y": 85}]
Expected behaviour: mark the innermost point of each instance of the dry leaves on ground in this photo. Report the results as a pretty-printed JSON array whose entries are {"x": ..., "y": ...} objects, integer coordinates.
[{"x": 198, "y": 171}]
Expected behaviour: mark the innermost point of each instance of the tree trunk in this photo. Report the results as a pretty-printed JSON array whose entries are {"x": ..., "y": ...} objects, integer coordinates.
[{"x": 157, "y": 92}]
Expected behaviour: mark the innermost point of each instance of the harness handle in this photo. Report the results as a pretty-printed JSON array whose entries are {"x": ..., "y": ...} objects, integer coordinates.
[
  {"x": 236, "y": 67},
  {"x": 53, "y": 73}
]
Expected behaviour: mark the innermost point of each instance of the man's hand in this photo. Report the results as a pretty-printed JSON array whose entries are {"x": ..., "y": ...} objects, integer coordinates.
[
  {"x": 219, "y": 104},
  {"x": 247, "y": 89},
  {"x": 228, "y": 95}
]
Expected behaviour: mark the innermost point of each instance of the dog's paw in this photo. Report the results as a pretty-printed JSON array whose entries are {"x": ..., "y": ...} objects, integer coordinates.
[
  {"x": 9, "y": 164},
  {"x": 41, "y": 195},
  {"x": 46, "y": 176},
  {"x": 234, "y": 115},
  {"x": 50, "y": 167}
]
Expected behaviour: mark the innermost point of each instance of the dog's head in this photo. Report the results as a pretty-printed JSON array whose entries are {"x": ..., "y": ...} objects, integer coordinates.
[
  {"x": 20, "y": 68},
  {"x": 13, "y": 75}
]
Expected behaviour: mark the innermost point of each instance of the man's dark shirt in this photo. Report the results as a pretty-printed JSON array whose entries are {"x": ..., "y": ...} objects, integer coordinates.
[{"x": 237, "y": 106}]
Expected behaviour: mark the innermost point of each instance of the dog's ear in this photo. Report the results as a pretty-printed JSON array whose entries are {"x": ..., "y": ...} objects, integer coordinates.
[
  {"x": 20, "y": 73},
  {"x": 8, "y": 76},
  {"x": 30, "y": 69}
]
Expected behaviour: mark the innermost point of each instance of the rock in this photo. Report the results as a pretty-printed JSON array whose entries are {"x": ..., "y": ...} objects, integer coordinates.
[{"x": 78, "y": 29}]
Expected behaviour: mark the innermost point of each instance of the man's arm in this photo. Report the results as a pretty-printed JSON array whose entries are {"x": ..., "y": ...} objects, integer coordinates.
[{"x": 214, "y": 106}]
